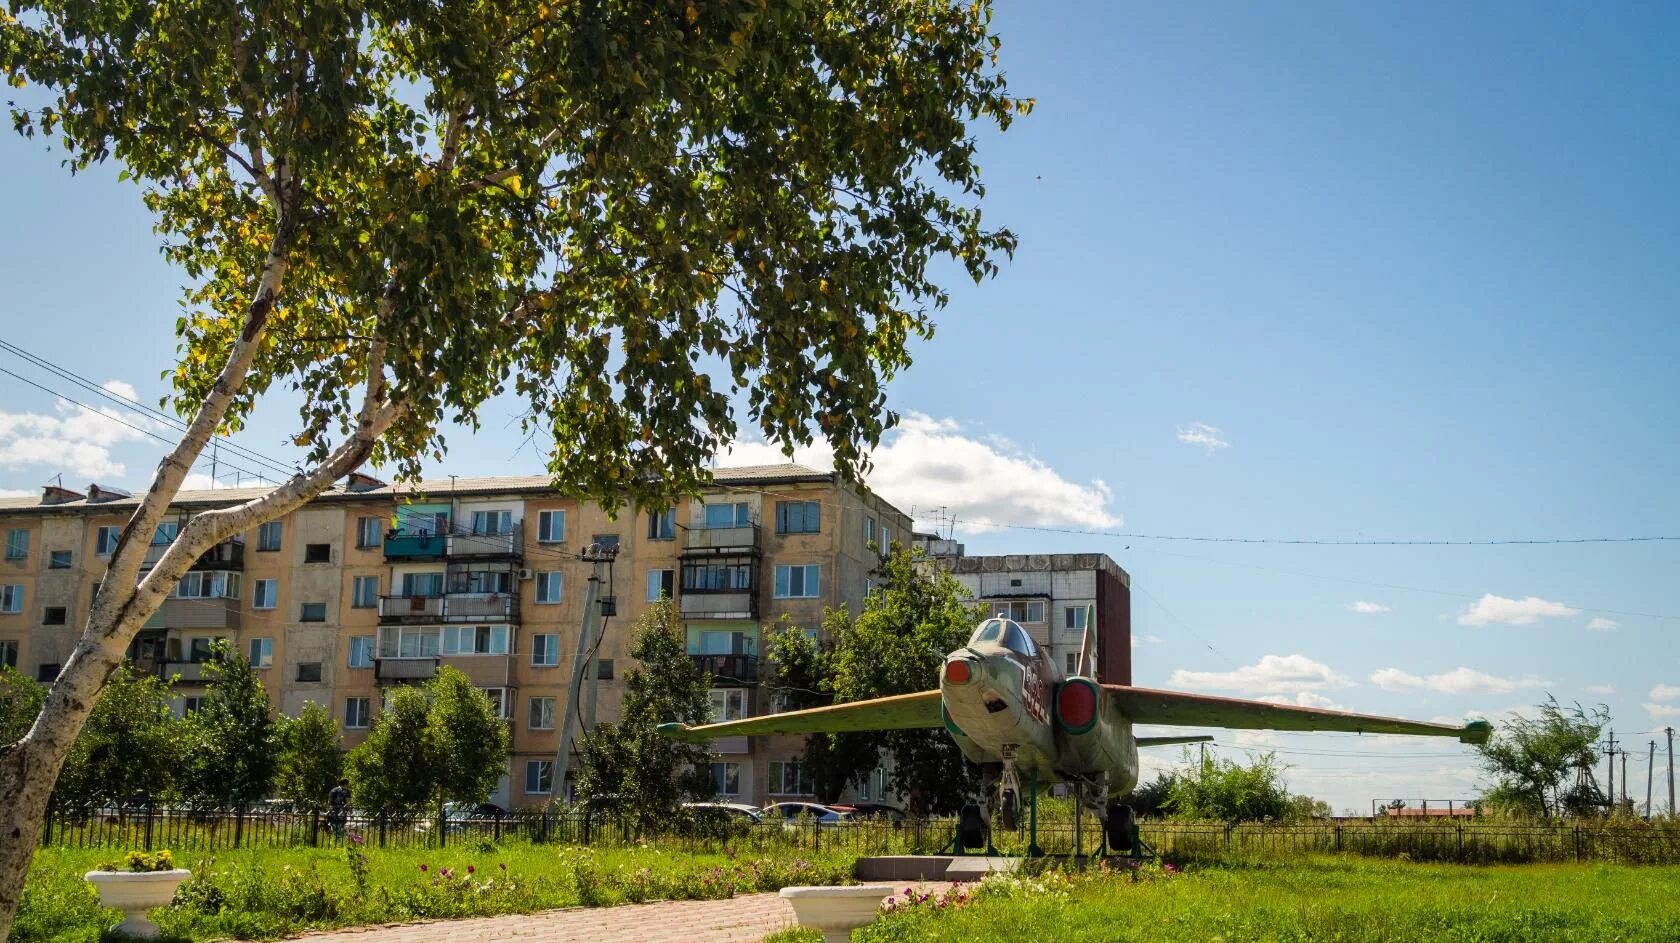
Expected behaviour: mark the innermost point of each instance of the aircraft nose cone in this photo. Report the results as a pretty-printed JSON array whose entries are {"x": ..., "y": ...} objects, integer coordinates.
[{"x": 958, "y": 671}]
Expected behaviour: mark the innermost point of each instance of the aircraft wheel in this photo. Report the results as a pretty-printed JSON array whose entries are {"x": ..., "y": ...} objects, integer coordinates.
[
  {"x": 1009, "y": 810},
  {"x": 971, "y": 827},
  {"x": 1121, "y": 820}
]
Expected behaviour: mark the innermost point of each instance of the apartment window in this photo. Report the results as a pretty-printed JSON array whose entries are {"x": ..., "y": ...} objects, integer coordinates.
[
  {"x": 798, "y": 517},
  {"x": 728, "y": 704},
  {"x": 476, "y": 639},
  {"x": 58, "y": 560},
  {"x": 789, "y": 778},
  {"x": 17, "y": 544},
  {"x": 661, "y": 583},
  {"x": 797, "y": 582},
  {"x": 370, "y": 532},
  {"x": 201, "y": 650},
  {"x": 733, "y": 514},
  {"x": 716, "y": 577},
  {"x": 886, "y": 539},
  {"x": 8, "y": 654},
  {"x": 1072, "y": 664},
  {"x": 726, "y": 779},
  {"x": 364, "y": 592},
  {"x": 545, "y": 650},
  {"x": 54, "y": 615},
  {"x": 539, "y": 777},
  {"x": 262, "y": 652},
  {"x": 263, "y": 593},
  {"x": 410, "y": 642},
  {"x": 361, "y": 651},
  {"x": 541, "y": 715},
  {"x": 356, "y": 712},
  {"x": 500, "y": 702},
  {"x": 268, "y": 536},
  {"x": 662, "y": 525},
  {"x": 1074, "y": 617},
  {"x": 492, "y": 523},
  {"x": 165, "y": 533},
  {"x": 105, "y": 540},
  {"x": 1021, "y": 610},
  {"x": 11, "y": 598},
  {"x": 603, "y": 669},
  {"x": 551, "y": 527},
  {"x": 309, "y": 671},
  {"x": 317, "y": 553},
  {"x": 481, "y": 581},
  {"x": 549, "y": 585},
  {"x": 313, "y": 612},
  {"x": 869, "y": 530},
  {"x": 607, "y": 542},
  {"x": 422, "y": 584},
  {"x": 191, "y": 704},
  {"x": 209, "y": 585}
]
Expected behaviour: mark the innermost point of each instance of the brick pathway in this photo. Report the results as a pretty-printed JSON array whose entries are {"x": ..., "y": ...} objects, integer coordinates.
[{"x": 743, "y": 919}]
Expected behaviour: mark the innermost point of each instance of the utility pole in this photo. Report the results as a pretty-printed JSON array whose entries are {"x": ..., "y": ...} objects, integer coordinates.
[
  {"x": 587, "y": 633},
  {"x": 1650, "y": 773},
  {"x": 1624, "y": 778},
  {"x": 1611, "y": 752},
  {"x": 1671, "y": 810}
]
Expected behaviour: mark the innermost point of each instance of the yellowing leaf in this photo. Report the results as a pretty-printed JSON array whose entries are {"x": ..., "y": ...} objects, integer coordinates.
[{"x": 691, "y": 14}]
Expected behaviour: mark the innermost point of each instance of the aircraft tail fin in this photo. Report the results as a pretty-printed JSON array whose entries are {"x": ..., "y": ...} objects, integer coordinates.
[{"x": 1088, "y": 647}]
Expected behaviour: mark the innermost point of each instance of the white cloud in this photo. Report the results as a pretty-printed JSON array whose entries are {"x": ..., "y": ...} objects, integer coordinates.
[
  {"x": 1138, "y": 640},
  {"x": 1665, "y": 692},
  {"x": 1526, "y": 611},
  {"x": 985, "y": 482},
  {"x": 1602, "y": 624},
  {"x": 1663, "y": 711},
  {"x": 1204, "y": 435},
  {"x": 1457, "y": 681},
  {"x": 1601, "y": 689},
  {"x": 77, "y": 440},
  {"x": 16, "y": 493},
  {"x": 1273, "y": 674},
  {"x": 1362, "y": 606}
]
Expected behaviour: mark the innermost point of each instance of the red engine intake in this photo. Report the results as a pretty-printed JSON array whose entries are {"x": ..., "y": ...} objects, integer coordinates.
[{"x": 1076, "y": 705}]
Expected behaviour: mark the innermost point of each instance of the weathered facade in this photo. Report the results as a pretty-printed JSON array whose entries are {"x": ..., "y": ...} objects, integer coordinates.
[{"x": 372, "y": 585}]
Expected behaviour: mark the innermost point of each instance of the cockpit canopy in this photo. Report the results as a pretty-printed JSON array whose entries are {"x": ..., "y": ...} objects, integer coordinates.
[{"x": 1007, "y": 633}]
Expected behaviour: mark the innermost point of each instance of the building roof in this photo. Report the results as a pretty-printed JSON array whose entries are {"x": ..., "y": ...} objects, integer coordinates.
[{"x": 505, "y": 484}]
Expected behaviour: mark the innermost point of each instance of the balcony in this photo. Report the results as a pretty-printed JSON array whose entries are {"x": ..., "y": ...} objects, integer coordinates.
[
  {"x": 465, "y": 545},
  {"x": 728, "y": 670},
  {"x": 701, "y": 604},
  {"x": 402, "y": 547},
  {"x": 209, "y": 613},
  {"x": 450, "y": 607},
  {"x": 708, "y": 541},
  {"x": 227, "y": 555},
  {"x": 187, "y": 672},
  {"x": 404, "y": 669}
]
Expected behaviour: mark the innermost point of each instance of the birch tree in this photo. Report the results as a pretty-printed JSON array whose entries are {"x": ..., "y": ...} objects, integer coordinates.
[{"x": 655, "y": 222}]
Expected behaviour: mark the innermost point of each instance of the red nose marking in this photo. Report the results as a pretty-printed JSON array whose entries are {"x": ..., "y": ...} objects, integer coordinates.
[
  {"x": 1076, "y": 705},
  {"x": 956, "y": 672}
]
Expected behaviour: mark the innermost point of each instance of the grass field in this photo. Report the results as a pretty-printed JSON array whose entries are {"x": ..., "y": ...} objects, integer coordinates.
[
  {"x": 268, "y": 893},
  {"x": 1343, "y": 900}
]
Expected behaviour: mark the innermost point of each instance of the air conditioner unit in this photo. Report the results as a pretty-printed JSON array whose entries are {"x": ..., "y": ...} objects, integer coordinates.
[{"x": 525, "y": 573}]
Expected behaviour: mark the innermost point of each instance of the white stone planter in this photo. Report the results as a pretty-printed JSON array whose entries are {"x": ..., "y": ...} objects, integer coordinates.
[
  {"x": 836, "y": 911},
  {"x": 134, "y": 893}
]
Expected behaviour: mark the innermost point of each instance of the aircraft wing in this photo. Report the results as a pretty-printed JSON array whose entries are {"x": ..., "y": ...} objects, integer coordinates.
[
  {"x": 899, "y": 712},
  {"x": 1176, "y": 708},
  {"x": 1171, "y": 741}
]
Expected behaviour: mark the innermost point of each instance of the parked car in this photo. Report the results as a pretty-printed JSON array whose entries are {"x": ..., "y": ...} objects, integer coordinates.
[
  {"x": 878, "y": 811},
  {"x": 733, "y": 812},
  {"x": 461, "y": 815},
  {"x": 795, "y": 814}
]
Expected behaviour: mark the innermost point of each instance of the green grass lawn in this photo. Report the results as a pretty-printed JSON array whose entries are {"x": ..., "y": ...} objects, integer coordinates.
[
  {"x": 1317, "y": 900},
  {"x": 263, "y": 894}
]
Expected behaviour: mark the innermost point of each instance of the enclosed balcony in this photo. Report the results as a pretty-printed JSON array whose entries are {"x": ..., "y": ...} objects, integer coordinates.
[
  {"x": 227, "y": 555},
  {"x": 701, "y": 604},
  {"x": 400, "y": 670},
  {"x": 449, "y": 607},
  {"x": 487, "y": 541},
  {"x": 422, "y": 545},
  {"x": 721, "y": 540}
]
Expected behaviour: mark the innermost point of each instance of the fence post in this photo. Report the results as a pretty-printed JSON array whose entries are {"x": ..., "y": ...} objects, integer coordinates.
[
  {"x": 238, "y": 825},
  {"x": 382, "y": 830},
  {"x": 1577, "y": 843},
  {"x": 148, "y": 824},
  {"x": 1338, "y": 839},
  {"x": 314, "y": 828},
  {"x": 1461, "y": 842}
]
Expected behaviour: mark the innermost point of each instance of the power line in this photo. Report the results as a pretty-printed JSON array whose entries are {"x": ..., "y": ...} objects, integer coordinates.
[
  {"x": 277, "y": 465},
  {"x": 1311, "y": 542}
]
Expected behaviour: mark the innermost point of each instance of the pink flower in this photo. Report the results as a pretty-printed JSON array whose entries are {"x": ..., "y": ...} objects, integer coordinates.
[
  {"x": 423, "y": 868},
  {"x": 471, "y": 869}
]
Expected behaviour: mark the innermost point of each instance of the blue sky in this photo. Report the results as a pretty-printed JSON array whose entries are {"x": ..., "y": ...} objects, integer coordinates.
[{"x": 1322, "y": 271}]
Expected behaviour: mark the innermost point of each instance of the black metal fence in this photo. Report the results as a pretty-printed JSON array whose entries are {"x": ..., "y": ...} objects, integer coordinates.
[{"x": 1479, "y": 841}]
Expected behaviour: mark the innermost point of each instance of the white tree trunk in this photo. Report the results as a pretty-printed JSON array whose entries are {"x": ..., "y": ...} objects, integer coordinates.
[{"x": 29, "y": 768}]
